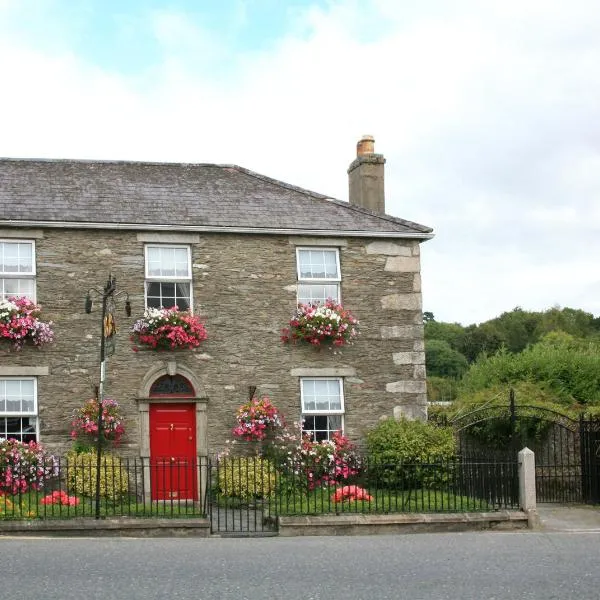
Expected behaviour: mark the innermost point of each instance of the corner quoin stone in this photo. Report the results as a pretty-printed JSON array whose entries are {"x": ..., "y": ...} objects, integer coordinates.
[
  {"x": 402, "y": 332},
  {"x": 406, "y": 387},
  {"x": 401, "y": 302},
  {"x": 389, "y": 249},
  {"x": 408, "y": 358},
  {"x": 403, "y": 264}
]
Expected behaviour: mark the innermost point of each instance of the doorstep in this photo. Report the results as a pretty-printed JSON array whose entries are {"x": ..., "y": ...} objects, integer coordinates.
[
  {"x": 122, "y": 526},
  {"x": 361, "y": 524}
]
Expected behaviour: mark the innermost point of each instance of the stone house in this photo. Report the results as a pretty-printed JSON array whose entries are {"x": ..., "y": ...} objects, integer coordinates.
[{"x": 240, "y": 249}]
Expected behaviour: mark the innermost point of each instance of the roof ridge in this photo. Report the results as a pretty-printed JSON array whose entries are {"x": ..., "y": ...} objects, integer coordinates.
[{"x": 102, "y": 161}]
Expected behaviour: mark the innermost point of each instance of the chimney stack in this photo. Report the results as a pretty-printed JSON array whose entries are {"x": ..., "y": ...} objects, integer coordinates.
[{"x": 365, "y": 177}]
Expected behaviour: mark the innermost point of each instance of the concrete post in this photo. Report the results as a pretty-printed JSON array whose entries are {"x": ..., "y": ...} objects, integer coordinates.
[{"x": 527, "y": 497}]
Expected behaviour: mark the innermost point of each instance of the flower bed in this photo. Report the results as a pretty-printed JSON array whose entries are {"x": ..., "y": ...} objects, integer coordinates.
[
  {"x": 318, "y": 324},
  {"x": 24, "y": 466},
  {"x": 20, "y": 323},
  {"x": 324, "y": 463},
  {"x": 168, "y": 329}
]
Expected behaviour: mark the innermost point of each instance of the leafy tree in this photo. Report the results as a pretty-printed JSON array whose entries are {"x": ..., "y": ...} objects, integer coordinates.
[
  {"x": 519, "y": 328},
  {"x": 428, "y": 316},
  {"x": 573, "y": 321},
  {"x": 449, "y": 332},
  {"x": 443, "y": 361},
  {"x": 486, "y": 338}
]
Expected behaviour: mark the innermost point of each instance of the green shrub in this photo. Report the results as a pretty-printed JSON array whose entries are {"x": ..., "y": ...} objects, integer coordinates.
[
  {"x": 247, "y": 477},
  {"x": 441, "y": 389},
  {"x": 565, "y": 366},
  {"x": 399, "y": 451},
  {"x": 406, "y": 441},
  {"x": 82, "y": 473}
]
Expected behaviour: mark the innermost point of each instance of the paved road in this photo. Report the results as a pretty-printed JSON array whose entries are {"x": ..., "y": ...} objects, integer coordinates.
[{"x": 464, "y": 566}]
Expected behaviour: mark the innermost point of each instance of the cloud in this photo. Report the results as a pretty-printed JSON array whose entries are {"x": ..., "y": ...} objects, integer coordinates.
[{"x": 487, "y": 113}]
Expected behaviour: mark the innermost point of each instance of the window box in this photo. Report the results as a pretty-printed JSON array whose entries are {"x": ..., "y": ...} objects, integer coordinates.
[
  {"x": 167, "y": 329},
  {"x": 322, "y": 324},
  {"x": 20, "y": 324}
]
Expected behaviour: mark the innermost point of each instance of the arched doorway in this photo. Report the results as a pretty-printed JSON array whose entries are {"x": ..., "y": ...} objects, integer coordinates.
[
  {"x": 173, "y": 460},
  {"x": 173, "y": 434}
]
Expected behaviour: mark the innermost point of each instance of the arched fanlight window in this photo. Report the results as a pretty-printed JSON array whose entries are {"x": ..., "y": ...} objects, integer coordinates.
[{"x": 172, "y": 386}]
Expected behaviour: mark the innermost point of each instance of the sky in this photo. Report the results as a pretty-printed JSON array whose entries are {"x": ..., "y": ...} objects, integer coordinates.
[{"x": 488, "y": 114}]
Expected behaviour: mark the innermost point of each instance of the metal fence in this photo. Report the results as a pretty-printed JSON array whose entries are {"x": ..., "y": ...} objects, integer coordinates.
[
  {"x": 245, "y": 494},
  {"x": 67, "y": 488}
]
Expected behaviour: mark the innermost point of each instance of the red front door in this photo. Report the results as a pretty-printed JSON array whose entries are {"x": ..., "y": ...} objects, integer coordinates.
[{"x": 173, "y": 452}]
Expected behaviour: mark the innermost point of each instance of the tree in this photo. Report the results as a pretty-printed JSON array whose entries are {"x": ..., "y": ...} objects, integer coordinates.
[
  {"x": 428, "y": 316},
  {"x": 519, "y": 328},
  {"x": 443, "y": 361},
  {"x": 573, "y": 321},
  {"x": 486, "y": 338},
  {"x": 449, "y": 332}
]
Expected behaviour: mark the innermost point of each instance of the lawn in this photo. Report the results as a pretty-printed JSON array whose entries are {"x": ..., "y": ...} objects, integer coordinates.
[{"x": 30, "y": 506}]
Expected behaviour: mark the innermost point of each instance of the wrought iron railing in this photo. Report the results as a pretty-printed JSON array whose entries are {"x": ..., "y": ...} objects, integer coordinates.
[{"x": 250, "y": 492}]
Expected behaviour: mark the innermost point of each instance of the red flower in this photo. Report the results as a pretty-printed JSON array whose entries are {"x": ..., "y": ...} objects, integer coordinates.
[{"x": 351, "y": 493}]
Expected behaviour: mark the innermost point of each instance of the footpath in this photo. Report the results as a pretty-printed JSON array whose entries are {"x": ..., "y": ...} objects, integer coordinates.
[{"x": 569, "y": 518}]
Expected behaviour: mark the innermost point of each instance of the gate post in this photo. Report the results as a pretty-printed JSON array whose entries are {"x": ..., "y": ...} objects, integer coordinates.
[{"x": 527, "y": 497}]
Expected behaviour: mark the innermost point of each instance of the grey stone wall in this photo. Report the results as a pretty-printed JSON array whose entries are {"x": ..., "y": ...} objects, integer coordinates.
[{"x": 244, "y": 288}]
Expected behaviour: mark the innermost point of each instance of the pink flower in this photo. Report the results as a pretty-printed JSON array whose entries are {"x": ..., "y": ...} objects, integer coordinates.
[
  {"x": 321, "y": 323},
  {"x": 168, "y": 329},
  {"x": 20, "y": 323},
  {"x": 256, "y": 419}
]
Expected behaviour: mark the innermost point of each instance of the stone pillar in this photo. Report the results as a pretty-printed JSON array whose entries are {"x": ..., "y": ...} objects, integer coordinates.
[{"x": 527, "y": 497}]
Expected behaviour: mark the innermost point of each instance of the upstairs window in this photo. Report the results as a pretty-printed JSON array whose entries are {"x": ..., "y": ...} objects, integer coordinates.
[
  {"x": 318, "y": 275},
  {"x": 322, "y": 407},
  {"x": 18, "y": 409},
  {"x": 17, "y": 269},
  {"x": 168, "y": 277}
]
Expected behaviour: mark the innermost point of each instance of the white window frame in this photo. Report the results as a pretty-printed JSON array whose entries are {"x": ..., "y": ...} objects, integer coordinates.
[
  {"x": 171, "y": 278},
  {"x": 12, "y": 275},
  {"x": 319, "y": 280},
  {"x": 20, "y": 414},
  {"x": 319, "y": 412}
]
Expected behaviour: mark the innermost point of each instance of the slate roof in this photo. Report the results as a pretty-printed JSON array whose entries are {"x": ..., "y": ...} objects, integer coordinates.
[{"x": 203, "y": 196}]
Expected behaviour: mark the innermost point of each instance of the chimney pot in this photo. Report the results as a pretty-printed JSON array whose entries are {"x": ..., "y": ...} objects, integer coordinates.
[{"x": 366, "y": 145}]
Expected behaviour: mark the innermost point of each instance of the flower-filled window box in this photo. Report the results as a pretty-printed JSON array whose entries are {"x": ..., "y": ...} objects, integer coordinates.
[
  {"x": 167, "y": 329},
  {"x": 20, "y": 323},
  {"x": 322, "y": 324}
]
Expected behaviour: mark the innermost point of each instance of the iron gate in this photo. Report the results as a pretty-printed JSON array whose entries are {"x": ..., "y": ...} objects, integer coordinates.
[
  {"x": 240, "y": 497},
  {"x": 567, "y": 451}
]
